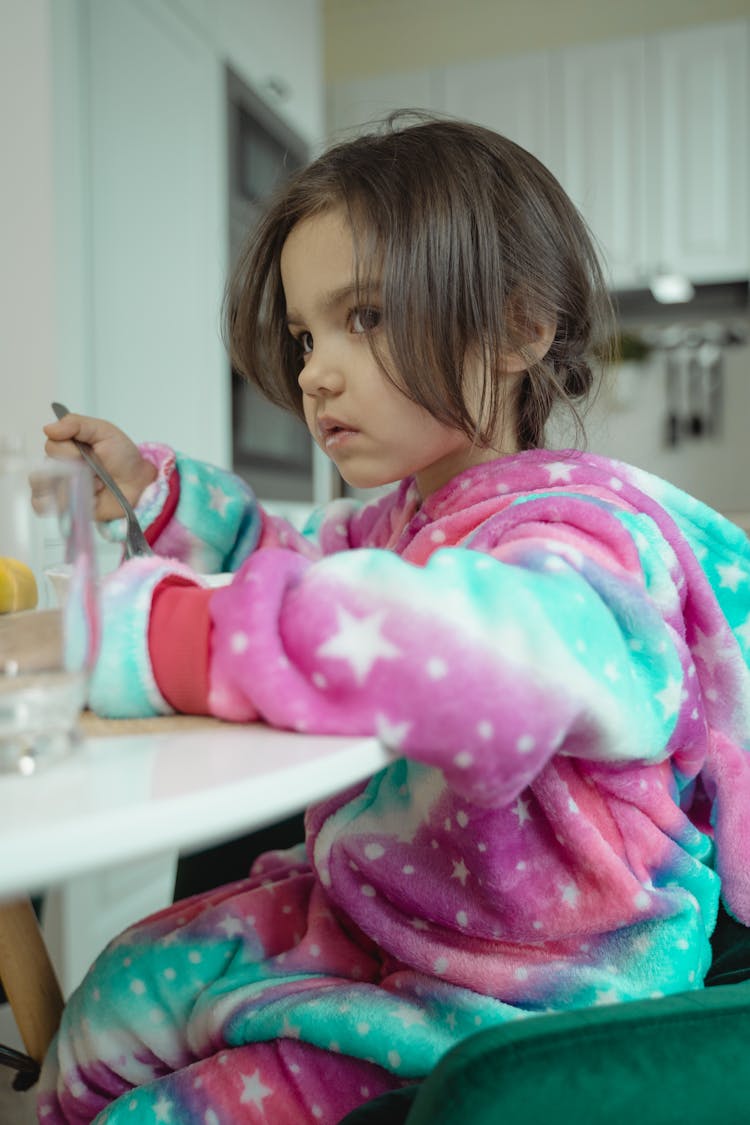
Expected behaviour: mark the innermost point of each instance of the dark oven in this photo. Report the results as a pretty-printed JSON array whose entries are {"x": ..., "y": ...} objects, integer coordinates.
[{"x": 271, "y": 449}]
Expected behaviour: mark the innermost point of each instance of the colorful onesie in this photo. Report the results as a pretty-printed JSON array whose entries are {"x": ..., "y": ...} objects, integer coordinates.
[{"x": 555, "y": 648}]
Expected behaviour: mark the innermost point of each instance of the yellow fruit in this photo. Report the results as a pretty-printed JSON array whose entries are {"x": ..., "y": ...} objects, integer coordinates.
[{"x": 17, "y": 586}]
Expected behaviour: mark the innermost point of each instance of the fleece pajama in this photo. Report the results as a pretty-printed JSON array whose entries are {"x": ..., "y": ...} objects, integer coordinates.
[{"x": 554, "y": 646}]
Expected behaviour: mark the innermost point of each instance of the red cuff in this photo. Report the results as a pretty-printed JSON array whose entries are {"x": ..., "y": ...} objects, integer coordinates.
[
  {"x": 170, "y": 505},
  {"x": 179, "y": 634}
]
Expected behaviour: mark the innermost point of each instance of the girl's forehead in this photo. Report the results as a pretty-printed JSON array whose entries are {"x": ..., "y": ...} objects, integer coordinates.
[
  {"x": 318, "y": 241},
  {"x": 321, "y": 253},
  {"x": 318, "y": 267},
  {"x": 320, "y": 225},
  {"x": 336, "y": 225}
]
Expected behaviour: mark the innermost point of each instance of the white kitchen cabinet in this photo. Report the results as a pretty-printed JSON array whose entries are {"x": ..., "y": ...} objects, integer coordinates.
[
  {"x": 600, "y": 158},
  {"x": 650, "y": 136},
  {"x": 512, "y": 95},
  {"x": 277, "y": 48},
  {"x": 654, "y": 150},
  {"x": 699, "y": 141},
  {"x": 580, "y": 110},
  {"x": 158, "y": 226},
  {"x": 156, "y": 110}
]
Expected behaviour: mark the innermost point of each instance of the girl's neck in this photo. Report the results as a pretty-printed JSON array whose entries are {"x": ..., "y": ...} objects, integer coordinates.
[{"x": 437, "y": 475}]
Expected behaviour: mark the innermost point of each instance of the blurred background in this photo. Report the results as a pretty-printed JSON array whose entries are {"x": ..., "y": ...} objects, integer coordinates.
[{"x": 141, "y": 137}]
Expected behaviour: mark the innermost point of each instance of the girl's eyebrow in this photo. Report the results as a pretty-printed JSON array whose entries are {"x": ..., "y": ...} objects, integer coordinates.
[{"x": 335, "y": 297}]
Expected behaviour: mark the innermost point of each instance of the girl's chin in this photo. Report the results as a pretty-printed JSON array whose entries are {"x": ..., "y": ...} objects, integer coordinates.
[{"x": 365, "y": 481}]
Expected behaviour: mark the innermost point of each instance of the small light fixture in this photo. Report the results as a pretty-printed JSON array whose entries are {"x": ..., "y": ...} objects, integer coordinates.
[{"x": 671, "y": 288}]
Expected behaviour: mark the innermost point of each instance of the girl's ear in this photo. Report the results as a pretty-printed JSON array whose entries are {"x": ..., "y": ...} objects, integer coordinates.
[{"x": 513, "y": 363}]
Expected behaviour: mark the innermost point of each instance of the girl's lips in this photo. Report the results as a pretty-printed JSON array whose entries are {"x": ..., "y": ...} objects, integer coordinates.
[
  {"x": 333, "y": 432},
  {"x": 337, "y": 436}
]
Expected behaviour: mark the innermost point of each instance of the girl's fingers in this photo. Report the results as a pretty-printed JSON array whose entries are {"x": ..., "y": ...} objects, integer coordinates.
[
  {"x": 90, "y": 430},
  {"x": 117, "y": 452},
  {"x": 61, "y": 450},
  {"x": 58, "y": 444},
  {"x": 63, "y": 428}
]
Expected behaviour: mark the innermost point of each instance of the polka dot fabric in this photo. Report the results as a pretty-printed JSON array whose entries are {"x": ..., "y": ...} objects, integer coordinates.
[{"x": 554, "y": 646}]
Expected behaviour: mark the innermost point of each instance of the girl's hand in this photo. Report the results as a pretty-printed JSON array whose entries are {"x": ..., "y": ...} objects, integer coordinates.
[{"x": 114, "y": 449}]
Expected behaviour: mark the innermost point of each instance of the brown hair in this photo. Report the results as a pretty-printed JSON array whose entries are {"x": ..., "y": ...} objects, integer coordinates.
[{"x": 473, "y": 243}]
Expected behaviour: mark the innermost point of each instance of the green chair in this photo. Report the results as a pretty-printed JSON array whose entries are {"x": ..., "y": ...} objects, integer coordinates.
[{"x": 676, "y": 1059}]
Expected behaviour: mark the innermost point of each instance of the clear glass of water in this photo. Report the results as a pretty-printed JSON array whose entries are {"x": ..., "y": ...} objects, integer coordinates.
[{"x": 48, "y": 642}]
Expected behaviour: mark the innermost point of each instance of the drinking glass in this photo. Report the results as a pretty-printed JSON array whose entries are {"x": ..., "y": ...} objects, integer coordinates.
[{"x": 48, "y": 644}]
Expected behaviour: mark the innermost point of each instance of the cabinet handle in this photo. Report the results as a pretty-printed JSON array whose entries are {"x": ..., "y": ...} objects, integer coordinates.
[{"x": 279, "y": 88}]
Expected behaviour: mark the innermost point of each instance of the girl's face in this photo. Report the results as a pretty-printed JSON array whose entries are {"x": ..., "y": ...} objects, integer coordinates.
[{"x": 374, "y": 434}]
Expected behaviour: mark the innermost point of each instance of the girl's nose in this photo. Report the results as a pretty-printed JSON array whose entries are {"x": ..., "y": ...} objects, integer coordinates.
[{"x": 321, "y": 375}]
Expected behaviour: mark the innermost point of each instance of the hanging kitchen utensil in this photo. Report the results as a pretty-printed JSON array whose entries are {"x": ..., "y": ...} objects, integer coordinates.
[
  {"x": 712, "y": 360},
  {"x": 695, "y": 421},
  {"x": 674, "y": 399}
]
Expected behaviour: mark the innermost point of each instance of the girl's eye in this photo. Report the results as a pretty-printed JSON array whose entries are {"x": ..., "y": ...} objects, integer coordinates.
[
  {"x": 305, "y": 342},
  {"x": 364, "y": 320}
]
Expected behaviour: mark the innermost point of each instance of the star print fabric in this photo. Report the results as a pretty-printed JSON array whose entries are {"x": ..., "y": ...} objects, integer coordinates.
[
  {"x": 555, "y": 647},
  {"x": 220, "y": 504}
]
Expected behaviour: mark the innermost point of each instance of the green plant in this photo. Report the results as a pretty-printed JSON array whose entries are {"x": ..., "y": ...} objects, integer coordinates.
[{"x": 628, "y": 347}]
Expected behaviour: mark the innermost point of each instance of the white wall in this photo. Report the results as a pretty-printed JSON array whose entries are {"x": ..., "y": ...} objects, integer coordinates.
[
  {"x": 158, "y": 226},
  {"x": 369, "y": 37},
  {"x": 28, "y": 299}
]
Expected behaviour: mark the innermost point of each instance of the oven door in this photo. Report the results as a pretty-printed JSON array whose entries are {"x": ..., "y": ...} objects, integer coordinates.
[{"x": 271, "y": 449}]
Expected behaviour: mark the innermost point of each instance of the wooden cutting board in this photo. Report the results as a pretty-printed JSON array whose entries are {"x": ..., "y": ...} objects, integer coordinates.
[{"x": 93, "y": 726}]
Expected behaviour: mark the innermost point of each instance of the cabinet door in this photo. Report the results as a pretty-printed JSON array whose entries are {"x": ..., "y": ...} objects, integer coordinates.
[
  {"x": 277, "y": 48},
  {"x": 601, "y": 137},
  {"x": 510, "y": 95},
  {"x": 158, "y": 226},
  {"x": 699, "y": 141}
]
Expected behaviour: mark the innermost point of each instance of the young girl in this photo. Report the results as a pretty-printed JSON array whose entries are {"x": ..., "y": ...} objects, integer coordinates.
[{"x": 553, "y": 645}]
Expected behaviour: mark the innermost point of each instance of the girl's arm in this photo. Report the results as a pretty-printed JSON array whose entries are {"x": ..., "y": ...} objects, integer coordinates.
[
  {"x": 546, "y": 638},
  {"x": 206, "y": 517}
]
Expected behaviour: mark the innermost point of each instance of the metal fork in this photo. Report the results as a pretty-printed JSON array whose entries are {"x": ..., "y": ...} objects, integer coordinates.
[{"x": 135, "y": 540}]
